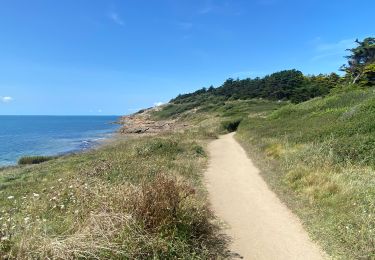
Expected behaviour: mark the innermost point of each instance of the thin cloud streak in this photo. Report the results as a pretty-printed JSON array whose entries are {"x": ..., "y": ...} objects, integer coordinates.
[
  {"x": 115, "y": 17},
  {"x": 185, "y": 25},
  {"x": 329, "y": 50}
]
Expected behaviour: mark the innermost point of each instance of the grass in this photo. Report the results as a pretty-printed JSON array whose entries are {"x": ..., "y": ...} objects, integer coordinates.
[
  {"x": 319, "y": 157},
  {"x": 134, "y": 199}
]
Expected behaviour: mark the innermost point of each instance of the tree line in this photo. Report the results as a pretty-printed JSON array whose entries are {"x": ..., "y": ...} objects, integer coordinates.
[{"x": 292, "y": 84}]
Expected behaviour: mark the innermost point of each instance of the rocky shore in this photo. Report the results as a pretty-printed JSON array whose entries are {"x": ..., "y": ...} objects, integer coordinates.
[{"x": 141, "y": 123}]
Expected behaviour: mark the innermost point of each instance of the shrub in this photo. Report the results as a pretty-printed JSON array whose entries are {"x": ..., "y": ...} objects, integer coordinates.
[
  {"x": 34, "y": 159},
  {"x": 157, "y": 203},
  {"x": 199, "y": 150},
  {"x": 159, "y": 146},
  {"x": 231, "y": 125}
]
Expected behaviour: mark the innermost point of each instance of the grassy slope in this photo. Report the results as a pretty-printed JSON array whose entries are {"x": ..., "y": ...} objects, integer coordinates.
[
  {"x": 134, "y": 199},
  {"x": 319, "y": 155}
]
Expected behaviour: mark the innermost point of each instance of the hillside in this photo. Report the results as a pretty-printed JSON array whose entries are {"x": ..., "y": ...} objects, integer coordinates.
[
  {"x": 317, "y": 155},
  {"x": 137, "y": 197}
]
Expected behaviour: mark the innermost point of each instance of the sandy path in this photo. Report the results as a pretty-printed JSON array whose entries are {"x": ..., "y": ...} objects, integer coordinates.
[{"x": 260, "y": 225}]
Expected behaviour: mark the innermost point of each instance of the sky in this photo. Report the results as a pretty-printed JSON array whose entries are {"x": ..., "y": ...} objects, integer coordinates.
[{"x": 114, "y": 57}]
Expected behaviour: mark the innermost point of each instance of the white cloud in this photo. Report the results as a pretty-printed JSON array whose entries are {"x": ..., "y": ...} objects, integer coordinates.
[
  {"x": 338, "y": 49},
  {"x": 6, "y": 99},
  {"x": 99, "y": 110},
  {"x": 158, "y": 104},
  {"x": 115, "y": 17}
]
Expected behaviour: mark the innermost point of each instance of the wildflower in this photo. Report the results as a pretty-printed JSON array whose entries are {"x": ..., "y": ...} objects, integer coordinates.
[
  {"x": 10, "y": 197},
  {"x": 4, "y": 238},
  {"x": 60, "y": 180},
  {"x": 71, "y": 187},
  {"x": 35, "y": 194},
  {"x": 76, "y": 211},
  {"x": 26, "y": 219},
  {"x": 62, "y": 206}
]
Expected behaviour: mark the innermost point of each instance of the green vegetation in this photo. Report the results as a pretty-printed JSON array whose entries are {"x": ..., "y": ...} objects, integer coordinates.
[
  {"x": 284, "y": 85},
  {"x": 317, "y": 155},
  {"x": 231, "y": 125},
  {"x": 361, "y": 62},
  {"x": 134, "y": 199},
  {"x": 34, "y": 159}
]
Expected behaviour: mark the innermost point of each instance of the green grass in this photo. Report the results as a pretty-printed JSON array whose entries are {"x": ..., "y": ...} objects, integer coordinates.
[
  {"x": 319, "y": 156},
  {"x": 134, "y": 199}
]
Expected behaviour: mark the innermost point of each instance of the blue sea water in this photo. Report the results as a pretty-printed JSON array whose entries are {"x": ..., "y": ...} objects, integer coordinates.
[{"x": 50, "y": 135}]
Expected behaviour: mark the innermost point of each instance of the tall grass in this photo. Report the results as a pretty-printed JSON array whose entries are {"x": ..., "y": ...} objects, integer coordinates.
[
  {"x": 136, "y": 199},
  {"x": 319, "y": 156}
]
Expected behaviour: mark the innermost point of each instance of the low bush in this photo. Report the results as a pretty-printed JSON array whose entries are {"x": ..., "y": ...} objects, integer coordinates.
[
  {"x": 231, "y": 125},
  {"x": 34, "y": 159}
]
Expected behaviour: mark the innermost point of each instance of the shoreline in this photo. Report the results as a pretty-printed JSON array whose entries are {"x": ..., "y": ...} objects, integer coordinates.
[
  {"x": 86, "y": 145},
  {"x": 134, "y": 125}
]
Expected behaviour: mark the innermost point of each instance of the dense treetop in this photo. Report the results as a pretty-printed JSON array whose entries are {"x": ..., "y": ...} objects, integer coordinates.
[
  {"x": 284, "y": 85},
  {"x": 293, "y": 85},
  {"x": 361, "y": 62}
]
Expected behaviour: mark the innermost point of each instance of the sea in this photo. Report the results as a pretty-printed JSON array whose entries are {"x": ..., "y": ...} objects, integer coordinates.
[{"x": 51, "y": 135}]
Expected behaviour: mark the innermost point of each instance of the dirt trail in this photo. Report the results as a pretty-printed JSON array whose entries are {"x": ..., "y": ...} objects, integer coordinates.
[{"x": 260, "y": 225}]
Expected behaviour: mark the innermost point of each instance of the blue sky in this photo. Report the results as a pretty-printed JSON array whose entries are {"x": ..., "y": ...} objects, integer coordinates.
[{"x": 89, "y": 57}]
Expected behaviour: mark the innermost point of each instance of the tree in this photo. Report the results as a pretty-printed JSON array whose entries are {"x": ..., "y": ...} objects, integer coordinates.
[
  {"x": 368, "y": 78},
  {"x": 360, "y": 58}
]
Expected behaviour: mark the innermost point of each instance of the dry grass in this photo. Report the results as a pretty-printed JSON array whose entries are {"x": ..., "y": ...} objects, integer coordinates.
[{"x": 135, "y": 199}]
